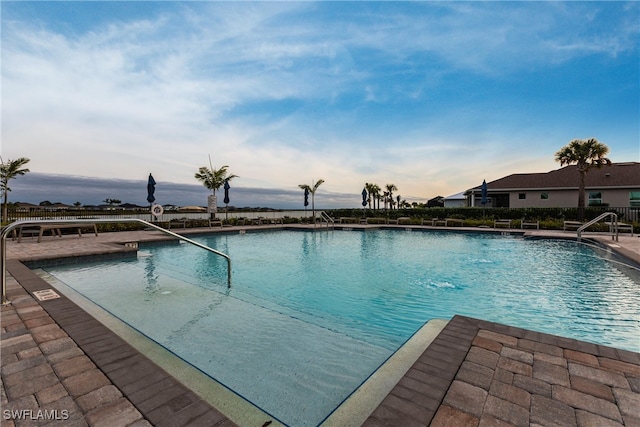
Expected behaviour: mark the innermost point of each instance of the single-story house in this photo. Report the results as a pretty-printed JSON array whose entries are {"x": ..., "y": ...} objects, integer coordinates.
[
  {"x": 192, "y": 209},
  {"x": 436, "y": 202},
  {"x": 616, "y": 185},
  {"x": 26, "y": 207},
  {"x": 131, "y": 206},
  {"x": 455, "y": 201}
]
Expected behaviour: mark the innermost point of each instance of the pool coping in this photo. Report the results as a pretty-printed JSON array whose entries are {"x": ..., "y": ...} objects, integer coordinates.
[{"x": 442, "y": 362}]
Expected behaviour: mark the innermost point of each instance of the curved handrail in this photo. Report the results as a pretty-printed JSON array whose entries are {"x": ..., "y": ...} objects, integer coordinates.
[
  {"x": 327, "y": 218},
  {"x": 614, "y": 233},
  {"x": 6, "y": 230}
]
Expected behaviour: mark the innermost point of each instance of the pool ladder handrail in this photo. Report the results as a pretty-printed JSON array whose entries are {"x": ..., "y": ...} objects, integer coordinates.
[
  {"x": 324, "y": 216},
  {"x": 6, "y": 230},
  {"x": 613, "y": 228}
]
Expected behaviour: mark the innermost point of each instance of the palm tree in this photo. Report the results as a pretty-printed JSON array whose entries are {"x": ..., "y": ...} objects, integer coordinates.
[
  {"x": 312, "y": 189},
  {"x": 385, "y": 198},
  {"x": 9, "y": 170},
  {"x": 585, "y": 153},
  {"x": 212, "y": 178},
  {"x": 373, "y": 190},
  {"x": 390, "y": 189}
]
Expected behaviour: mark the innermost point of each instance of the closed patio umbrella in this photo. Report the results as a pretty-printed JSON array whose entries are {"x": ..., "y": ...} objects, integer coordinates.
[
  {"x": 226, "y": 198},
  {"x": 364, "y": 197},
  {"x": 483, "y": 190},
  {"x": 226, "y": 191},
  {"x": 151, "y": 188},
  {"x": 484, "y": 199}
]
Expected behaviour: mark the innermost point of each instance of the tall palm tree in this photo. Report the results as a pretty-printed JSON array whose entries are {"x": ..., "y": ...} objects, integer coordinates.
[
  {"x": 390, "y": 189},
  {"x": 312, "y": 189},
  {"x": 10, "y": 170},
  {"x": 585, "y": 153},
  {"x": 212, "y": 178},
  {"x": 373, "y": 190}
]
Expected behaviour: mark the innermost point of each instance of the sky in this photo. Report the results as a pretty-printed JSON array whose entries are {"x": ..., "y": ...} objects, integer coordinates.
[{"x": 433, "y": 97}]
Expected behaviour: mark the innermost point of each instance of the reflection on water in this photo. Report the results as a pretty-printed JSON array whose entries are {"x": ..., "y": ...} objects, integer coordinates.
[{"x": 151, "y": 284}]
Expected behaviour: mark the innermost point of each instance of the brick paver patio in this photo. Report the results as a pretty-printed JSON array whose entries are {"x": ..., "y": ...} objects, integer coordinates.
[{"x": 479, "y": 373}]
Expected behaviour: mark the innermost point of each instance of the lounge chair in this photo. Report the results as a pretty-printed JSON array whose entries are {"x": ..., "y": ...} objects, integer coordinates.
[
  {"x": 529, "y": 223},
  {"x": 435, "y": 221},
  {"x": 622, "y": 227},
  {"x": 501, "y": 223},
  {"x": 571, "y": 225}
]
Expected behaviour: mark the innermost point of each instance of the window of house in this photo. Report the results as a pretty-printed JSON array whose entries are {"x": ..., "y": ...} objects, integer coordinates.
[
  {"x": 595, "y": 198},
  {"x": 544, "y": 196},
  {"x": 634, "y": 199},
  {"x": 522, "y": 196}
]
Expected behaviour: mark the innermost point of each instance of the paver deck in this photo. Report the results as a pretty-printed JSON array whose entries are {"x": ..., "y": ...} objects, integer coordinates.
[{"x": 60, "y": 366}]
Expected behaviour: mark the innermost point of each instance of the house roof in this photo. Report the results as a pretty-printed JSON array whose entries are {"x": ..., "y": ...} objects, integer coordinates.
[
  {"x": 620, "y": 175},
  {"x": 25, "y": 205},
  {"x": 192, "y": 208},
  {"x": 457, "y": 196}
]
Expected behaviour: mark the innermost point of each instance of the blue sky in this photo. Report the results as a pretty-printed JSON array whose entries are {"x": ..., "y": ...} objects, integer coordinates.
[{"x": 433, "y": 97}]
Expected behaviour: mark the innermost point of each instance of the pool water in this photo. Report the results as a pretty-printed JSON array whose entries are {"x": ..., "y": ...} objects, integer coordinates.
[{"x": 311, "y": 315}]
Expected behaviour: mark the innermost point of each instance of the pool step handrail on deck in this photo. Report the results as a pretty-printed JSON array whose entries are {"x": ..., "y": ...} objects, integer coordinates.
[
  {"x": 6, "y": 230},
  {"x": 324, "y": 217},
  {"x": 614, "y": 225}
]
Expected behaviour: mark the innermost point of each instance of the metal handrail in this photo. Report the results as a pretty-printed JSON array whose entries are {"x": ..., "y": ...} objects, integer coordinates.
[
  {"x": 6, "y": 230},
  {"x": 327, "y": 218},
  {"x": 614, "y": 232}
]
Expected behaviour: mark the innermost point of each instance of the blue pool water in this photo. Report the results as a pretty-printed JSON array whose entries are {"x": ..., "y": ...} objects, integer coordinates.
[{"x": 311, "y": 315}]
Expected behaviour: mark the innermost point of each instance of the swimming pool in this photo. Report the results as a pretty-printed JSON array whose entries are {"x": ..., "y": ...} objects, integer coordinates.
[{"x": 312, "y": 314}]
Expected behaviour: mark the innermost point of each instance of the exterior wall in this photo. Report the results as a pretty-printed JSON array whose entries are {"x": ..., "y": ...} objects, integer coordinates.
[
  {"x": 617, "y": 198},
  {"x": 455, "y": 203},
  {"x": 556, "y": 199},
  {"x": 567, "y": 198},
  {"x": 477, "y": 201}
]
